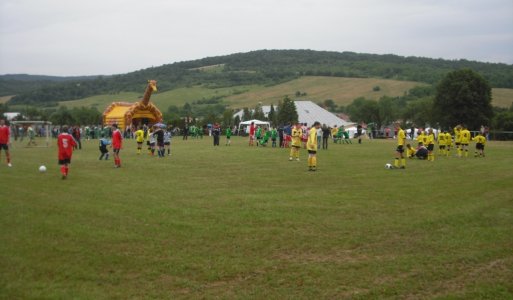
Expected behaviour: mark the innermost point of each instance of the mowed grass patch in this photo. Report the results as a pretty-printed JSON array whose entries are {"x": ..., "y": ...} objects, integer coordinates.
[
  {"x": 502, "y": 97},
  {"x": 240, "y": 222},
  {"x": 318, "y": 88}
]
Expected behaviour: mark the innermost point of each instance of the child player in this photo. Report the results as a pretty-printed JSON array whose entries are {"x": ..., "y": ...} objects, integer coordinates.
[
  {"x": 431, "y": 145},
  {"x": 296, "y": 135},
  {"x": 448, "y": 143},
  {"x": 167, "y": 141},
  {"x": 117, "y": 142},
  {"x": 139, "y": 138},
  {"x": 311, "y": 146},
  {"x": 5, "y": 136},
  {"x": 480, "y": 145},
  {"x": 228, "y": 135},
  {"x": 65, "y": 144},
  {"x": 465, "y": 139},
  {"x": 401, "y": 139},
  {"x": 441, "y": 143},
  {"x": 104, "y": 142}
]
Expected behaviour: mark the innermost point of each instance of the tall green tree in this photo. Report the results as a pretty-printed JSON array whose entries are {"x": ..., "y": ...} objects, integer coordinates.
[
  {"x": 463, "y": 97},
  {"x": 287, "y": 112},
  {"x": 364, "y": 110},
  {"x": 258, "y": 113},
  {"x": 272, "y": 117}
]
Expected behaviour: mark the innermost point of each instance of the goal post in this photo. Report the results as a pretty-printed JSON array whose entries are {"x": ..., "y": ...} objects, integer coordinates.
[{"x": 45, "y": 124}]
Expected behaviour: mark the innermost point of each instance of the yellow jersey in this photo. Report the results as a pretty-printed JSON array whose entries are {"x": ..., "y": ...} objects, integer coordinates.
[
  {"x": 479, "y": 139},
  {"x": 401, "y": 137},
  {"x": 311, "y": 143},
  {"x": 431, "y": 139},
  {"x": 139, "y": 136},
  {"x": 296, "y": 135},
  {"x": 441, "y": 139},
  {"x": 457, "y": 135},
  {"x": 410, "y": 152},
  {"x": 465, "y": 136},
  {"x": 422, "y": 138},
  {"x": 448, "y": 139}
]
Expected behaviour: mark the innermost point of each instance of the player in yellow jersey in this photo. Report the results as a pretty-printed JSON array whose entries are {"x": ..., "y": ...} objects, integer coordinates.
[
  {"x": 296, "y": 135},
  {"x": 139, "y": 138},
  {"x": 431, "y": 144},
  {"x": 465, "y": 139},
  {"x": 334, "y": 134},
  {"x": 410, "y": 151},
  {"x": 457, "y": 139},
  {"x": 311, "y": 146},
  {"x": 448, "y": 143},
  {"x": 421, "y": 138},
  {"x": 401, "y": 140},
  {"x": 480, "y": 145},
  {"x": 441, "y": 143}
]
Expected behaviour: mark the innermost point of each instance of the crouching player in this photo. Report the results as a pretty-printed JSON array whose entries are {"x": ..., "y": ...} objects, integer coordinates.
[
  {"x": 65, "y": 144},
  {"x": 104, "y": 142},
  {"x": 410, "y": 151}
]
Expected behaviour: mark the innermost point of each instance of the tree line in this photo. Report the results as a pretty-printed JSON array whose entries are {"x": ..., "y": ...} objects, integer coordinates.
[{"x": 263, "y": 67}]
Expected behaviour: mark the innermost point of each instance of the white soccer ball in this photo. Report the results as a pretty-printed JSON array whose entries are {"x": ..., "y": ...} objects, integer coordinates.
[
  {"x": 42, "y": 169},
  {"x": 388, "y": 166}
]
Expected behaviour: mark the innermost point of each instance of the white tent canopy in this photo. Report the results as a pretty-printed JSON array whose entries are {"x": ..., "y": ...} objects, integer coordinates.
[{"x": 246, "y": 124}]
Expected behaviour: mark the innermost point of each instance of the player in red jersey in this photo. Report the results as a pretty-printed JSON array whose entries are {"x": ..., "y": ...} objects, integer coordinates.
[
  {"x": 5, "y": 135},
  {"x": 117, "y": 142},
  {"x": 65, "y": 143},
  {"x": 252, "y": 130}
]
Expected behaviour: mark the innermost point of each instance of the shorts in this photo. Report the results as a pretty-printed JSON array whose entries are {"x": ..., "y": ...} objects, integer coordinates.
[
  {"x": 4, "y": 147},
  {"x": 160, "y": 144},
  {"x": 458, "y": 143},
  {"x": 103, "y": 149},
  {"x": 479, "y": 146},
  {"x": 400, "y": 149},
  {"x": 430, "y": 147},
  {"x": 312, "y": 152},
  {"x": 441, "y": 147},
  {"x": 116, "y": 150},
  {"x": 228, "y": 137},
  {"x": 139, "y": 143},
  {"x": 251, "y": 137},
  {"x": 65, "y": 161},
  {"x": 464, "y": 144},
  {"x": 294, "y": 146},
  {"x": 167, "y": 143}
]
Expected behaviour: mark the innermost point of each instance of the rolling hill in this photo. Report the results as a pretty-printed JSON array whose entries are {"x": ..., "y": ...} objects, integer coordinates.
[{"x": 257, "y": 68}]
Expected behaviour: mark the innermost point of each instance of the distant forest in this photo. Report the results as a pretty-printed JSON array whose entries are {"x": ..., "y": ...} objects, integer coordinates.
[{"x": 263, "y": 67}]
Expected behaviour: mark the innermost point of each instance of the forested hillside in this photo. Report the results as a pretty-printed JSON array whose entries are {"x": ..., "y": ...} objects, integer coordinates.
[{"x": 263, "y": 67}]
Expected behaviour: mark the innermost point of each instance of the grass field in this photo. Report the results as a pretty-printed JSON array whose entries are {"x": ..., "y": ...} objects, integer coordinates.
[{"x": 240, "y": 222}]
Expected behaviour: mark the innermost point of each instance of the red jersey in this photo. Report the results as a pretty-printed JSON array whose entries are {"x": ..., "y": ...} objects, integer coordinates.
[
  {"x": 116, "y": 139},
  {"x": 65, "y": 142},
  {"x": 252, "y": 130},
  {"x": 4, "y": 134}
]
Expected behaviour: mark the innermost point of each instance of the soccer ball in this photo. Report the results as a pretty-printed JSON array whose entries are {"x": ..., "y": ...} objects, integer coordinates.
[
  {"x": 388, "y": 166},
  {"x": 42, "y": 169}
]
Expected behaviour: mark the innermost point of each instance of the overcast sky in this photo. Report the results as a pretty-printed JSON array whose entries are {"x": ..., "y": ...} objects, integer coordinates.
[{"x": 90, "y": 37}]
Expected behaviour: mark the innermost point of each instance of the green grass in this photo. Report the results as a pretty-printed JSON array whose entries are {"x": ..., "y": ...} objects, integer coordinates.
[{"x": 240, "y": 222}]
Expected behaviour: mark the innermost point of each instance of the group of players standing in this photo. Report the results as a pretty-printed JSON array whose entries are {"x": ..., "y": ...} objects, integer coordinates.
[{"x": 426, "y": 144}]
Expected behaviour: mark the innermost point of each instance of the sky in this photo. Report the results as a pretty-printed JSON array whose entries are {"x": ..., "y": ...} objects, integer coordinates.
[{"x": 104, "y": 37}]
